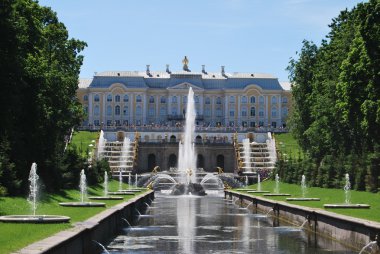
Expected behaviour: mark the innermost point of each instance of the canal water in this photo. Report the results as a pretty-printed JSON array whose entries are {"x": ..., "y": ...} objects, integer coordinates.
[{"x": 211, "y": 224}]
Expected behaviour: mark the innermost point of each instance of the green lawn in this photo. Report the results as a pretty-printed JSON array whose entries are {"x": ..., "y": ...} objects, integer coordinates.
[
  {"x": 286, "y": 144},
  {"x": 328, "y": 196},
  {"x": 14, "y": 236},
  {"x": 83, "y": 139}
]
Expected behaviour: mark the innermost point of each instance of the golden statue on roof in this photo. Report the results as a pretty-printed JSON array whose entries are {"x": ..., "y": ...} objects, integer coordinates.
[{"x": 185, "y": 63}]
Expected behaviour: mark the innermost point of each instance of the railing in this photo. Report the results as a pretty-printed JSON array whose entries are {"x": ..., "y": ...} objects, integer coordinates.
[{"x": 149, "y": 128}]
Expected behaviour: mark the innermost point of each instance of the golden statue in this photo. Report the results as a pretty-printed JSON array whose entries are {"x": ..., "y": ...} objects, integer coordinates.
[{"x": 185, "y": 63}]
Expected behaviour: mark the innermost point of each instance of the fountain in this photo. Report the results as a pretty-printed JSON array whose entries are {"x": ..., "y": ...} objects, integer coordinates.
[
  {"x": 32, "y": 199},
  {"x": 347, "y": 201},
  {"x": 186, "y": 154},
  {"x": 258, "y": 190},
  {"x": 276, "y": 189},
  {"x": 83, "y": 194},
  {"x": 101, "y": 144},
  {"x": 106, "y": 194},
  {"x": 304, "y": 191}
]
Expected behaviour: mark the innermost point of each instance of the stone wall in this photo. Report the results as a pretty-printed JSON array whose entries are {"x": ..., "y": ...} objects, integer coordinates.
[{"x": 163, "y": 151}]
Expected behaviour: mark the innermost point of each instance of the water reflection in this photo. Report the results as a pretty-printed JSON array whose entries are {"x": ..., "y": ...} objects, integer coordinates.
[{"x": 213, "y": 225}]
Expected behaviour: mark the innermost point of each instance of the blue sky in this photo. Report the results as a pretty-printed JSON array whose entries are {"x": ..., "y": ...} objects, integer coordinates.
[{"x": 243, "y": 35}]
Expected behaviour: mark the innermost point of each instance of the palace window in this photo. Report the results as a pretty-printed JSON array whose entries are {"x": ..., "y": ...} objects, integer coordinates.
[
  {"x": 274, "y": 100},
  {"x": 232, "y": 112},
  {"x": 117, "y": 110},
  {"x": 109, "y": 110},
  {"x": 126, "y": 98},
  {"x": 96, "y": 97},
  {"x": 109, "y": 97},
  {"x": 261, "y": 99},
  {"x": 184, "y": 99},
  {"x": 244, "y": 111},
  {"x": 174, "y": 99},
  {"x": 207, "y": 112},
  {"x": 244, "y": 99},
  {"x": 163, "y": 99},
  {"x": 207, "y": 101},
  {"x": 218, "y": 100},
  {"x": 285, "y": 111},
  {"x": 261, "y": 123},
  {"x": 284, "y": 100},
  {"x": 125, "y": 111},
  {"x": 196, "y": 99},
  {"x": 96, "y": 122},
  {"x": 174, "y": 111},
  {"x": 218, "y": 112},
  {"x": 138, "y": 110},
  {"x": 162, "y": 111},
  {"x": 232, "y": 99},
  {"x": 138, "y": 98},
  {"x": 85, "y": 98},
  {"x": 151, "y": 99},
  {"x": 151, "y": 112},
  {"x": 117, "y": 98},
  {"x": 252, "y": 124},
  {"x": 96, "y": 110},
  {"x": 253, "y": 111},
  {"x": 274, "y": 112},
  {"x": 261, "y": 112},
  {"x": 253, "y": 99}
]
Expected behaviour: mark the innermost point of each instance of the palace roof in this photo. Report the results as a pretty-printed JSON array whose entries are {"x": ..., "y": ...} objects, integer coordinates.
[{"x": 161, "y": 79}]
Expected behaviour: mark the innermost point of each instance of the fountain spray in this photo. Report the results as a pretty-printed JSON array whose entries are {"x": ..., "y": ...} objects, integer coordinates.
[
  {"x": 82, "y": 185},
  {"x": 105, "y": 184},
  {"x": 347, "y": 188},
  {"x": 33, "y": 179}
]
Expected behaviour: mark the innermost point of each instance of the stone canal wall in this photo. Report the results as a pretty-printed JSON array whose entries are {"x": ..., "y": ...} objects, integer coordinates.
[
  {"x": 100, "y": 228},
  {"x": 349, "y": 231}
]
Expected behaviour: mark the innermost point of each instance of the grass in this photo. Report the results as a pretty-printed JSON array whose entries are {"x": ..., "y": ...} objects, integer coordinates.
[
  {"x": 82, "y": 140},
  {"x": 286, "y": 144},
  {"x": 14, "y": 236},
  {"x": 328, "y": 196}
]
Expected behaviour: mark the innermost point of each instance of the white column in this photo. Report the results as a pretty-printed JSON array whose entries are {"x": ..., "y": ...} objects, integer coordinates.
[
  {"x": 267, "y": 112},
  {"x": 144, "y": 109},
  {"x": 103, "y": 110},
  {"x": 226, "y": 111},
  {"x": 131, "y": 109},
  {"x": 238, "y": 111},
  {"x": 157, "y": 100},
  {"x": 279, "y": 109}
]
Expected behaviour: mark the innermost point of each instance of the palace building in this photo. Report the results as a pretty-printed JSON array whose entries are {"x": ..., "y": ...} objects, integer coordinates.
[{"x": 146, "y": 98}]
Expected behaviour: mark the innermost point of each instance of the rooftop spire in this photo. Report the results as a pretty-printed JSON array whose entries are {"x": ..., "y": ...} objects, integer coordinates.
[{"x": 185, "y": 63}]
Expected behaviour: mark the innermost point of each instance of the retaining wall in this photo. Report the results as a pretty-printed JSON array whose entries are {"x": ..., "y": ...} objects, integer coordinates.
[
  {"x": 352, "y": 232},
  {"x": 101, "y": 228}
]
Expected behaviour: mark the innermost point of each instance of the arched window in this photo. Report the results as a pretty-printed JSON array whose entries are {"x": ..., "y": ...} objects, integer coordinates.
[
  {"x": 261, "y": 112},
  {"x": 96, "y": 97},
  {"x": 96, "y": 110},
  {"x": 163, "y": 99},
  {"x": 117, "y": 110},
  {"x": 174, "y": 111},
  {"x": 207, "y": 101},
  {"x": 174, "y": 99},
  {"x": 109, "y": 97},
  {"x": 253, "y": 111},
  {"x": 274, "y": 100},
  {"x": 125, "y": 111},
  {"x": 261, "y": 99},
  {"x": 138, "y": 110},
  {"x": 117, "y": 98},
  {"x": 243, "y": 99},
  {"x": 126, "y": 98},
  {"x": 207, "y": 112},
  {"x": 244, "y": 111},
  {"x": 218, "y": 112},
  {"x": 173, "y": 138},
  {"x": 253, "y": 99},
  {"x": 196, "y": 99},
  {"x": 151, "y": 112},
  {"x": 232, "y": 99},
  {"x": 274, "y": 112},
  {"x": 151, "y": 99},
  {"x": 218, "y": 100},
  {"x": 85, "y": 98},
  {"x": 138, "y": 98},
  {"x": 184, "y": 99},
  {"x": 109, "y": 110},
  {"x": 232, "y": 112},
  {"x": 284, "y": 100}
]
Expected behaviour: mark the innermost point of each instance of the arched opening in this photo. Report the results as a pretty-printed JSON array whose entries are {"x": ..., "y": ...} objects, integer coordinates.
[
  {"x": 220, "y": 161},
  {"x": 200, "y": 161},
  {"x": 173, "y": 138},
  {"x": 151, "y": 161},
  {"x": 172, "y": 163},
  {"x": 198, "y": 139}
]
